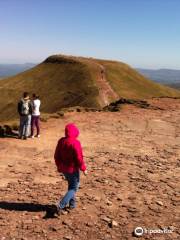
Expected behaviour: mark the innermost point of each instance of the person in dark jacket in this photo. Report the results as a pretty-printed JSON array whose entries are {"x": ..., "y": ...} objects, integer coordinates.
[
  {"x": 69, "y": 161},
  {"x": 25, "y": 111}
]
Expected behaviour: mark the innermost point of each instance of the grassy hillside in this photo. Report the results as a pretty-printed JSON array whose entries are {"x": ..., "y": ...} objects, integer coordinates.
[
  {"x": 128, "y": 83},
  {"x": 63, "y": 81},
  {"x": 59, "y": 84}
]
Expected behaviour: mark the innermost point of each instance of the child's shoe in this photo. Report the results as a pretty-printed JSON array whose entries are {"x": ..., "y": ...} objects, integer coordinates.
[
  {"x": 72, "y": 204},
  {"x": 58, "y": 210},
  {"x": 71, "y": 207}
]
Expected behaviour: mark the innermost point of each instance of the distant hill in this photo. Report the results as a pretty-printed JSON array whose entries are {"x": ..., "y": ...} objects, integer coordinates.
[
  {"x": 66, "y": 81},
  {"x": 7, "y": 70},
  {"x": 170, "y": 77}
]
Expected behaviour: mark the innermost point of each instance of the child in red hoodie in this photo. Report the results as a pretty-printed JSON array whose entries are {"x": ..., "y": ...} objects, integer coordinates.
[{"x": 69, "y": 160}]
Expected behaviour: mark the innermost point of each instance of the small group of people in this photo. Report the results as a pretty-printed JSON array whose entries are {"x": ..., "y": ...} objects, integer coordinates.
[
  {"x": 29, "y": 113},
  {"x": 68, "y": 154}
]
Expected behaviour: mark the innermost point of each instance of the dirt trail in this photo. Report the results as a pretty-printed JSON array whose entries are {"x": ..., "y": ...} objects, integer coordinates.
[
  {"x": 133, "y": 159},
  {"x": 106, "y": 93}
]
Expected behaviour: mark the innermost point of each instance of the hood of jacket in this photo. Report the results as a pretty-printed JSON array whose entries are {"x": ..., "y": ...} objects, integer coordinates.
[
  {"x": 71, "y": 131},
  {"x": 25, "y": 100}
]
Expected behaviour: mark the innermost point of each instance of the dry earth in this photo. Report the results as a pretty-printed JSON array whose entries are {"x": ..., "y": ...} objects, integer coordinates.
[
  {"x": 106, "y": 93},
  {"x": 133, "y": 159}
]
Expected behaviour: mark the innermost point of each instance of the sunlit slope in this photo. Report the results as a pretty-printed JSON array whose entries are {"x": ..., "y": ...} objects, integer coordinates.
[
  {"x": 65, "y": 81},
  {"x": 59, "y": 84},
  {"x": 128, "y": 83}
]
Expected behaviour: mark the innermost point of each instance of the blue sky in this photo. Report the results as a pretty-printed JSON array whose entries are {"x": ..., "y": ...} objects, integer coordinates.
[{"x": 142, "y": 33}]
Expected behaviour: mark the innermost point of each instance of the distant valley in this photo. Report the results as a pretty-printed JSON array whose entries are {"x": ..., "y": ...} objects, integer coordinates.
[
  {"x": 7, "y": 70},
  {"x": 170, "y": 77}
]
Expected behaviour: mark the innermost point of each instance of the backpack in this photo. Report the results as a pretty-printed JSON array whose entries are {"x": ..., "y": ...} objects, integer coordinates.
[{"x": 25, "y": 107}]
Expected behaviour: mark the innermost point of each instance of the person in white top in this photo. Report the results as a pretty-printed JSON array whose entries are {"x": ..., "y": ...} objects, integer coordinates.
[{"x": 35, "y": 123}]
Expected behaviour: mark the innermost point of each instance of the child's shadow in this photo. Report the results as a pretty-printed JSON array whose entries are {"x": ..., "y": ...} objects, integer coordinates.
[{"x": 30, "y": 207}]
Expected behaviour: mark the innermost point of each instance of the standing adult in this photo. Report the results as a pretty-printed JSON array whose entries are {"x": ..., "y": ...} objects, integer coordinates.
[
  {"x": 35, "y": 123},
  {"x": 25, "y": 111}
]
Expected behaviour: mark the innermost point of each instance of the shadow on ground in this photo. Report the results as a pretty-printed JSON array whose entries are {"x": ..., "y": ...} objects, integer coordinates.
[
  {"x": 30, "y": 207},
  {"x": 7, "y": 132}
]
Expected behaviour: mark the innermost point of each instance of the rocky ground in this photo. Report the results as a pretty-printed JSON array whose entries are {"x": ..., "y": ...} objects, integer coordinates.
[{"x": 133, "y": 159}]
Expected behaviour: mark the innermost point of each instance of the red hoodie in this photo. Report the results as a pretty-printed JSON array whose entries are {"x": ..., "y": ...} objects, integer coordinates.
[{"x": 68, "y": 154}]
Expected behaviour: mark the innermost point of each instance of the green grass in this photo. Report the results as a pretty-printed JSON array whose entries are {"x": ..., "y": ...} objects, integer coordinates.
[
  {"x": 63, "y": 81},
  {"x": 128, "y": 83},
  {"x": 59, "y": 85}
]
